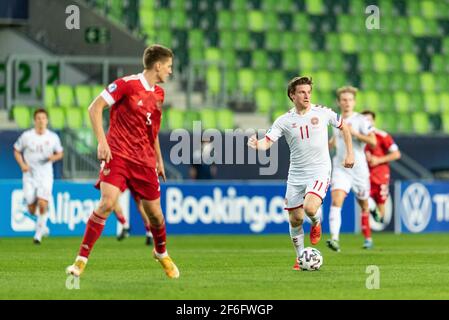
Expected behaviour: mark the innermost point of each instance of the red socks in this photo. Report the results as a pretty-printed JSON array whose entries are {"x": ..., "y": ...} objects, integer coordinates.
[
  {"x": 366, "y": 230},
  {"x": 147, "y": 228},
  {"x": 159, "y": 237},
  {"x": 94, "y": 228},
  {"x": 120, "y": 218}
]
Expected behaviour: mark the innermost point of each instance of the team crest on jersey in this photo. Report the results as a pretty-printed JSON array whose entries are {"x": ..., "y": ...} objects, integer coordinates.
[
  {"x": 112, "y": 87},
  {"x": 315, "y": 121},
  {"x": 106, "y": 171},
  {"x": 294, "y": 125}
]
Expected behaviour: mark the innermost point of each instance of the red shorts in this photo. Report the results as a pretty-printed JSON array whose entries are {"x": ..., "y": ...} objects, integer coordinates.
[
  {"x": 142, "y": 181},
  {"x": 379, "y": 192}
]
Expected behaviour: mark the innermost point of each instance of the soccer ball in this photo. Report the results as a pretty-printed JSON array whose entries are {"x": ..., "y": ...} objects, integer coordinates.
[{"x": 310, "y": 259}]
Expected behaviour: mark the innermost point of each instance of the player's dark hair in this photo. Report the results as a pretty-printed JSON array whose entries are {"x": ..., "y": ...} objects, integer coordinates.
[
  {"x": 371, "y": 113},
  {"x": 296, "y": 81},
  {"x": 155, "y": 53},
  {"x": 40, "y": 110}
]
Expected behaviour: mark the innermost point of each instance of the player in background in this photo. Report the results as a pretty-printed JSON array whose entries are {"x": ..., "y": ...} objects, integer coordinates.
[
  {"x": 35, "y": 151},
  {"x": 125, "y": 225},
  {"x": 305, "y": 128},
  {"x": 131, "y": 153},
  {"x": 379, "y": 157},
  {"x": 357, "y": 179}
]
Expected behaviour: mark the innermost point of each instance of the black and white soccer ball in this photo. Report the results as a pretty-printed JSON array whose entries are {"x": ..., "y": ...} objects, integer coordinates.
[{"x": 310, "y": 259}]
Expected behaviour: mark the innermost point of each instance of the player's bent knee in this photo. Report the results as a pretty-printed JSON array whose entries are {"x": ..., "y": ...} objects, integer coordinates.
[{"x": 106, "y": 206}]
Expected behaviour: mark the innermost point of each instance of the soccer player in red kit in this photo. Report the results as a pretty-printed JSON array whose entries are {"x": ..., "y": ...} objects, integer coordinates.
[
  {"x": 131, "y": 153},
  {"x": 378, "y": 157}
]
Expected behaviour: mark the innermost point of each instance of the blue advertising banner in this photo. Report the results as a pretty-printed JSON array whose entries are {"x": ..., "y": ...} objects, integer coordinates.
[
  {"x": 231, "y": 207},
  {"x": 422, "y": 206},
  {"x": 69, "y": 209}
]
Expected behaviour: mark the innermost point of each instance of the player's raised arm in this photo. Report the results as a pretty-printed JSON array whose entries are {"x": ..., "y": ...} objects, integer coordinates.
[
  {"x": 262, "y": 144},
  {"x": 370, "y": 138},
  {"x": 19, "y": 158},
  {"x": 96, "y": 118},
  {"x": 349, "y": 158}
]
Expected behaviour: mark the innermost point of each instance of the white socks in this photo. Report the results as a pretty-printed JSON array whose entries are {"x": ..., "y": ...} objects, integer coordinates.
[
  {"x": 297, "y": 235},
  {"x": 317, "y": 217},
  {"x": 41, "y": 226},
  {"x": 335, "y": 222}
]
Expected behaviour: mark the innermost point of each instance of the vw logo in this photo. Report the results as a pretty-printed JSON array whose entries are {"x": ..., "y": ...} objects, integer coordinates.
[{"x": 417, "y": 206}]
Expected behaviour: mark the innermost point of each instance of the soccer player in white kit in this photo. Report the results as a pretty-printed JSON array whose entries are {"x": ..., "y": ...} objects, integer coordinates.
[
  {"x": 357, "y": 179},
  {"x": 40, "y": 148},
  {"x": 305, "y": 128}
]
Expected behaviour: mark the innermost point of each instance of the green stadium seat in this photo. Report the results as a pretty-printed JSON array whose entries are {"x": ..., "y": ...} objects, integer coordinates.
[
  {"x": 260, "y": 59},
  {"x": 431, "y": 103},
  {"x": 240, "y": 21},
  {"x": 225, "y": 119},
  {"x": 231, "y": 82},
  {"x": 300, "y": 22},
  {"x": 164, "y": 37},
  {"x": 381, "y": 62},
  {"x": 85, "y": 142},
  {"x": 178, "y": 19},
  {"x": 246, "y": 81},
  {"x": 323, "y": 80},
  {"x": 285, "y": 6},
  {"x": 372, "y": 100},
  {"x": 225, "y": 20},
  {"x": 227, "y": 39},
  {"x": 428, "y": 9},
  {"x": 239, "y": 5},
  {"x": 417, "y": 101},
  {"x": 175, "y": 119},
  {"x": 66, "y": 95},
  {"x": 272, "y": 40},
  {"x": 289, "y": 60},
  {"x": 56, "y": 118},
  {"x": 146, "y": 19},
  {"x": 421, "y": 123},
  {"x": 348, "y": 42},
  {"x": 242, "y": 40},
  {"x": 177, "y": 4},
  {"x": 305, "y": 61},
  {"x": 213, "y": 55},
  {"x": 208, "y": 120},
  {"x": 51, "y": 99},
  {"x": 288, "y": 40},
  {"x": 401, "y": 26},
  {"x": 162, "y": 19},
  {"x": 303, "y": 42},
  {"x": 439, "y": 65},
  {"x": 190, "y": 116},
  {"x": 417, "y": 26},
  {"x": 401, "y": 101},
  {"x": 365, "y": 62},
  {"x": 445, "y": 120},
  {"x": 74, "y": 118},
  {"x": 333, "y": 42},
  {"x": 83, "y": 95},
  {"x": 213, "y": 80},
  {"x": 196, "y": 38},
  {"x": 256, "y": 21},
  {"x": 387, "y": 121},
  {"x": 277, "y": 80},
  {"x": 262, "y": 78},
  {"x": 428, "y": 83},
  {"x": 357, "y": 7},
  {"x": 386, "y": 8},
  {"x": 263, "y": 98},
  {"x": 406, "y": 44},
  {"x": 229, "y": 58},
  {"x": 345, "y": 24},
  {"x": 269, "y": 5},
  {"x": 410, "y": 63},
  {"x": 395, "y": 62},
  {"x": 315, "y": 7},
  {"x": 22, "y": 116},
  {"x": 445, "y": 46},
  {"x": 404, "y": 123},
  {"x": 96, "y": 90},
  {"x": 444, "y": 102}
]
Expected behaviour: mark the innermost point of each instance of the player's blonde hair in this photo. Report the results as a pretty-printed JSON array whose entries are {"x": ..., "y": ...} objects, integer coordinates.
[
  {"x": 155, "y": 53},
  {"x": 345, "y": 89},
  {"x": 296, "y": 81}
]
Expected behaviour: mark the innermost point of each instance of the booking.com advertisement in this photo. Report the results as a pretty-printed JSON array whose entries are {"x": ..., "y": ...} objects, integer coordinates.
[
  {"x": 189, "y": 208},
  {"x": 69, "y": 209},
  {"x": 231, "y": 207},
  {"x": 422, "y": 206}
]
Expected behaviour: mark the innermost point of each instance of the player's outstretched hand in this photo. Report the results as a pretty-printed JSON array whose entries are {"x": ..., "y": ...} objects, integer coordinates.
[
  {"x": 161, "y": 171},
  {"x": 25, "y": 168},
  {"x": 349, "y": 161},
  {"x": 252, "y": 142},
  {"x": 103, "y": 152}
]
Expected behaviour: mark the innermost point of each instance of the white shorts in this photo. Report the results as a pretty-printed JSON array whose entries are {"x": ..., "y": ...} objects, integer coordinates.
[
  {"x": 358, "y": 181},
  {"x": 295, "y": 194},
  {"x": 34, "y": 189}
]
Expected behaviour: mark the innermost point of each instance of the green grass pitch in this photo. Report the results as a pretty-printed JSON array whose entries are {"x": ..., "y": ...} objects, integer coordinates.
[{"x": 228, "y": 267}]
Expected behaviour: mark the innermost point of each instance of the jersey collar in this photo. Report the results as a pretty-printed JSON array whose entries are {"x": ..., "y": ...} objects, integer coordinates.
[{"x": 145, "y": 83}]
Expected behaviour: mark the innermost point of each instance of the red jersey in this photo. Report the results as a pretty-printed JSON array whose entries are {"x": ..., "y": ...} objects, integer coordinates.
[
  {"x": 380, "y": 174},
  {"x": 135, "y": 118}
]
